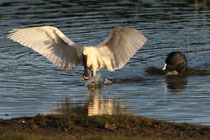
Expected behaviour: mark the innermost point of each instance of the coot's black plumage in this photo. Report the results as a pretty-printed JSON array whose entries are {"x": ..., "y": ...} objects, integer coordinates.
[{"x": 176, "y": 61}]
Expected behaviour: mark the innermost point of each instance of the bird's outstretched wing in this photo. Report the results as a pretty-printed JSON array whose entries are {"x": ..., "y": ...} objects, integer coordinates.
[
  {"x": 49, "y": 42},
  {"x": 121, "y": 44}
]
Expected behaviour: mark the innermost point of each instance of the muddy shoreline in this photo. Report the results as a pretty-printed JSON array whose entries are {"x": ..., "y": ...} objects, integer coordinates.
[{"x": 80, "y": 126}]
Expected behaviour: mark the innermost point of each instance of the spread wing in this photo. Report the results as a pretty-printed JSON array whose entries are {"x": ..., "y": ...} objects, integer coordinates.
[
  {"x": 121, "y": 44},
  {"x": 49, "y": 42}
]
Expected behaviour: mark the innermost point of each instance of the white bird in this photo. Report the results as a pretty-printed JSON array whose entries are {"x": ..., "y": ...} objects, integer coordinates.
[{"x": 113, "y": 53}]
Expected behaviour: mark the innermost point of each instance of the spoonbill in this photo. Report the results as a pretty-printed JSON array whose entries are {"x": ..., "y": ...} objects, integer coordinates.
[{"x": 113, "y": 53}]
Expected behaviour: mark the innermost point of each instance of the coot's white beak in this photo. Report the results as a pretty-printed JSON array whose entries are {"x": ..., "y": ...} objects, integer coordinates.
[{"x": 164, "y": 68}]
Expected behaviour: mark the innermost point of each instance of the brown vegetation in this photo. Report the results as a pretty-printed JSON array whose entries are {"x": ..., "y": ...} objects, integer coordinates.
[{"x": 80, "y": 126}]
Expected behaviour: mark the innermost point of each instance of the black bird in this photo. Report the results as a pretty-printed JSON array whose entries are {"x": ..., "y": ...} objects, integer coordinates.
[{"x": 176, "y": 62}]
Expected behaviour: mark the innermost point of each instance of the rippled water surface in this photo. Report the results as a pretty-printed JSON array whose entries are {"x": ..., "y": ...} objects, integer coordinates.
[{"x": 30, "y": 84}]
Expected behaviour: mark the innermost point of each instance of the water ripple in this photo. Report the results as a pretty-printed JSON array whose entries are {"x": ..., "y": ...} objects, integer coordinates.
[{"x": 29, "y": 84}]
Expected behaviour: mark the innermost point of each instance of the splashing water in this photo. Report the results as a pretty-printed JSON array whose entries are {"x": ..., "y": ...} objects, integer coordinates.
[{"x": 97, "y": 82}]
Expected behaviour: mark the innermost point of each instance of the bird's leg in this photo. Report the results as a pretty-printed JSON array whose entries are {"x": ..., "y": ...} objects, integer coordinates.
[{"x": 85, "y": 74}]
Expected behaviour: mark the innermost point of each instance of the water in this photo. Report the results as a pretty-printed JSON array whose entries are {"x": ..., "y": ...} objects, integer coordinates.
[{"x": 30, "y": 84}]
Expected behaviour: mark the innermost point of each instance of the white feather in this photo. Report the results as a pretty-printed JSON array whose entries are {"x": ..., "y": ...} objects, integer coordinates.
[
  {"x": 117, "y": 49},
  {"x": 51, "y": 43}
]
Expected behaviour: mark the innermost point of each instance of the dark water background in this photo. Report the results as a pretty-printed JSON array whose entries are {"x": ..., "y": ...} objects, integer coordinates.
[{"x": 30, "y": 84}]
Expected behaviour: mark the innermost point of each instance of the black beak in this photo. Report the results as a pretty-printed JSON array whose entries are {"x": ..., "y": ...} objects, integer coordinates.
[{"x": 86, "y": 75}]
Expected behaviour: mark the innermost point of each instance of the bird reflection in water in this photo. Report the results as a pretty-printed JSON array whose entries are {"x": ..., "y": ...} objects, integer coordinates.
[
  {"x": 173, "y": 83},
  {"x": 176, "y": 83},
  {"x": 96, "y": 105},
  {"x": 66, "y": 107}
]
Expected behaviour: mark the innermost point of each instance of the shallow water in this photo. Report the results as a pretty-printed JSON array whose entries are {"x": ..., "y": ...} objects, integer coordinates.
[{"x": 30, "y": 84}]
